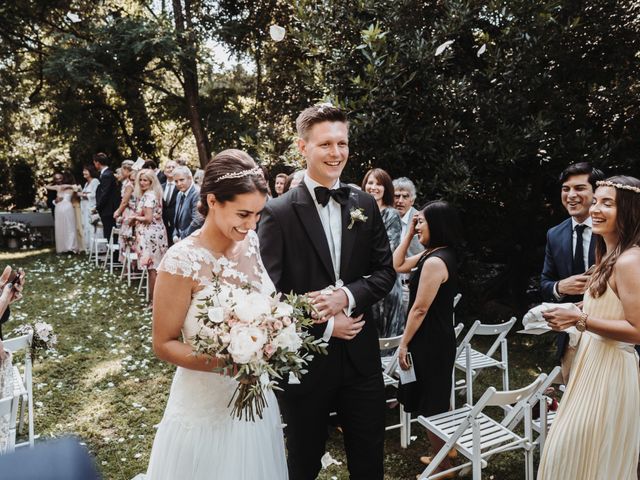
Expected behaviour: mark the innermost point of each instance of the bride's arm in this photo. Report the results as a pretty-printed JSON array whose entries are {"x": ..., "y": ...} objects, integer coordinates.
[
  {"x": 626, "y": 280},
  {"x": 171, "y": 300}
]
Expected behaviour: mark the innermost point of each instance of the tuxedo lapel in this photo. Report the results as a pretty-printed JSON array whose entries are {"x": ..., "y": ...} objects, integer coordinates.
[
  {"x": 307, "y": 212},
  {"x": 348, "y": 234}
]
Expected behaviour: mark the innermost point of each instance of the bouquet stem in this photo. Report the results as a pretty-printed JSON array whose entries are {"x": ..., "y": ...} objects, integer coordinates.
[{"x": 248, "y": 401}]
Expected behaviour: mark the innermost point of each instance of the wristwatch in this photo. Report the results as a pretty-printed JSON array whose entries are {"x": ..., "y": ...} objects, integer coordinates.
[{"x": 581, "y": 324}]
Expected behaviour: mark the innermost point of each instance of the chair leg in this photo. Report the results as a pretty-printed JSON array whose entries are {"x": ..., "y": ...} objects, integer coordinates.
[
  {"x": 505, "y": 360},
  {"x": 469, "y": 376},
  {"x": 403, "y": 428},
  {"x": 477, "y": 459}
]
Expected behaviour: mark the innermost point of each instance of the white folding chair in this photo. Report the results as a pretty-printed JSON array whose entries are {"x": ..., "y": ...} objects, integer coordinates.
[
  {"x": 129, "y": 259},
  {"x": 94, "y": 249},
  {"x": 542, "y": 424},
  {"x": 389, "y": 367},
  {"x": 456, "y": 300},
  {"x": 113, "y": 247},
  {"x": 477, "y": 436},
  {"x": 144, "y": 283},
  {"x": 457, "y": 330},
  {"x": 23, "y": 382},
  {"x": 8, "y": 415},
  {"x": 471, "y": 361}
]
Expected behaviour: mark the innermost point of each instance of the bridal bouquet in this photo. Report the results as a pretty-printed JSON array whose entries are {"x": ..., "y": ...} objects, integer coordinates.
[{"x": 258, "y": 338}]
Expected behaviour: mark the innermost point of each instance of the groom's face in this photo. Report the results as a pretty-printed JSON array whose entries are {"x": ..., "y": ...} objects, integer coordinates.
[{"x": 326, "y": 149}]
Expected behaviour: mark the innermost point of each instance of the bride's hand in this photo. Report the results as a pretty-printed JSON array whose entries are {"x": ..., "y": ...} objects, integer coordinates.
[{"x": 560, "y": 319}]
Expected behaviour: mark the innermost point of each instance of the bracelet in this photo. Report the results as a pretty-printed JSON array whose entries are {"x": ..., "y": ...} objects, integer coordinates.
[{"x": 581, "y": 324}]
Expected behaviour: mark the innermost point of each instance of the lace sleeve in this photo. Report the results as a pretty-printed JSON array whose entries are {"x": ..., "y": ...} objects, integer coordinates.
[{"x": 181, "y": 260}]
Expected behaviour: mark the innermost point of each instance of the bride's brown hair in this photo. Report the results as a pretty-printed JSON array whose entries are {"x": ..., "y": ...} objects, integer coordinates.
[
  {"x": 628, "y": 229},
  {"x": 219, "y": 178}
]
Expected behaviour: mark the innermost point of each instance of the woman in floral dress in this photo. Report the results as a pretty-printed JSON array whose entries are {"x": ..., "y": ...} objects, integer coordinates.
[
  {"x": 151, "y": 234},
  {"x": 126, "y": 209}
]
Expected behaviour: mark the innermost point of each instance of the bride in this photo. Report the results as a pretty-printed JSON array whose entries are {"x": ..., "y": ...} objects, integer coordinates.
[{"x": 197, "y": 437}]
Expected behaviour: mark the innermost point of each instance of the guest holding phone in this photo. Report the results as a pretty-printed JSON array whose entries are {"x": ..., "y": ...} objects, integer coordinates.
[{"x": 429, "y": 334}]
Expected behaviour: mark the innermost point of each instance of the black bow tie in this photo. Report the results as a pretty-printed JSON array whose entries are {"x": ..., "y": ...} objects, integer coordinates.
[{"x": 340, "y": 195}]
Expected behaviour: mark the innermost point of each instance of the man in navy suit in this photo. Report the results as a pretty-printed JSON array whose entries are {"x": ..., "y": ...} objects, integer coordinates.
[
  {"x": 570, "y": 247},
  {"x": 186, "y": 203},
  {"x": 107, "y": 194}
]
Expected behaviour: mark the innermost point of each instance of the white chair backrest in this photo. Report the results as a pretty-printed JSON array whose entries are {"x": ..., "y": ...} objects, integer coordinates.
[
  {"x": 456, "y": 299},
  {"x": 511, "y": 397},
  {"x": 458, "y": 329},
  {"x": 501, "y": 330},
  {"x": 514, "y": 416},
  {"x": 16, "y": 344},
  {"x": 389, "y": 342},
  {"x": 6, "y": 405}
]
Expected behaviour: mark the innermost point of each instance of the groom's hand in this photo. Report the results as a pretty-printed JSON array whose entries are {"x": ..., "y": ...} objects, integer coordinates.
[
  {"x": 328, "y": 305},
  {"x": 345, "y": 327}
]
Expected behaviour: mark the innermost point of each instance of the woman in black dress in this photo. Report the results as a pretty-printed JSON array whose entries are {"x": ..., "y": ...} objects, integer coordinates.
[{"x": 429, "y": 334}]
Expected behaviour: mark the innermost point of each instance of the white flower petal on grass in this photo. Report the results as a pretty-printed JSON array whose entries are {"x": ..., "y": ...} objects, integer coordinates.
[
  {"x": 442, "y": 47},
  {"x": 327, "y": 460},
  {"x": 482, "y": 49},
  {"x": 277, "y": 33}
]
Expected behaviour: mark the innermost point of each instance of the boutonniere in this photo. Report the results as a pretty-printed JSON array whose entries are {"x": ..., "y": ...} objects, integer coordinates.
[{"x": 357, "y": 215}]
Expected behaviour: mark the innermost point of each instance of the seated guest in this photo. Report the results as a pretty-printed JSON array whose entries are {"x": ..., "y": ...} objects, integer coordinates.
[
  {"x": 429, "y": 335},
  {"x": 187, "y": 202},
  {"x": 151, "y": 236},
  {"x": 388, "y": 312},
  {"x": 279, "y": 182}
]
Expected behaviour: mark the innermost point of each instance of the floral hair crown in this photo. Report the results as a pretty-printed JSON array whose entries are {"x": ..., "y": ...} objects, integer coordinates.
[
  {"x": 607, "y": 183},
  {"x": 240, "y": 174}
]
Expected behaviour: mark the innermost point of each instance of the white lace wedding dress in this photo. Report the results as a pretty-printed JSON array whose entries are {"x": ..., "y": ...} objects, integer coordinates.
[{"x": 197, "y": 438}]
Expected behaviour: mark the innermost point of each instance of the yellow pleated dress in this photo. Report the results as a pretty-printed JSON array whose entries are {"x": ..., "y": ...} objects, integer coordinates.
[{"x": 596, "y": 433}]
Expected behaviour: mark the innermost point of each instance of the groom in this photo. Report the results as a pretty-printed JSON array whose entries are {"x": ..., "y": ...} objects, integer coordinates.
[{"x": 327, "y": 239}]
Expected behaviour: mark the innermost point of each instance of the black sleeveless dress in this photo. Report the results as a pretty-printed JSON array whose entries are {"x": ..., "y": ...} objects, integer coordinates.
[{"x": 433, "y": 347}]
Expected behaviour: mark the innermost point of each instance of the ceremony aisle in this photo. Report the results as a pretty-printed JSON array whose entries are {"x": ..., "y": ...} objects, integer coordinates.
[{"x": 105, "y": 385}]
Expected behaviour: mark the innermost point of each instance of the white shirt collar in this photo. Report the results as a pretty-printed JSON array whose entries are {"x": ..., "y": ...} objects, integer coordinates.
[
  {"x": 406, "y": 218},
  {"x": 186, "y": 192},
  {"x": 312, "y": 184},
  {"x": 102, "y": 170},
  {"x": 588, "y": 222}
]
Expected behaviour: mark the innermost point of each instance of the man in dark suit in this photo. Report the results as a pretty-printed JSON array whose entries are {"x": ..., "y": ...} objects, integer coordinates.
[
  {"x": 169, "y": 196},
  {"x": 187, "y": 203},
  {"x": 570, "y": 249},
  {"x": 328, "y": 239},
  {"x": 107, "y": 194},
  {"x": 53, "y": 194}
]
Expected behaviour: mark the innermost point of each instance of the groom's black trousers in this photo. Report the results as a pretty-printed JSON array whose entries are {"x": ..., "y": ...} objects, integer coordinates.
[{"x": 360, "y": 403}]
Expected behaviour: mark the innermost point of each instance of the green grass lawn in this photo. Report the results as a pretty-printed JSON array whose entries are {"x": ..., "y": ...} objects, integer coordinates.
[{"x": 105, "y": 385}]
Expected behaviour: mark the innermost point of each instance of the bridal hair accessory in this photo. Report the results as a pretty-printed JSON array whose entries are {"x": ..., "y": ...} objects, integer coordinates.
[
  {"x": 240, "y": 174},
  {"x": 607, "y": 183}
]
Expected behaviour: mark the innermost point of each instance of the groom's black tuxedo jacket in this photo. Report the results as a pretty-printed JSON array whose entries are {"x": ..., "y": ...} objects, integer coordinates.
[{"x": 295, "y": 252}]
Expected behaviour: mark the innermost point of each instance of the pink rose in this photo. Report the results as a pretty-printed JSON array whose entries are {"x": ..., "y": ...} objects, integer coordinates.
[
  {"x": 269, "y": 350},
  {"x": 277, "y": 325},
  {"x": 286, "y": 321}
]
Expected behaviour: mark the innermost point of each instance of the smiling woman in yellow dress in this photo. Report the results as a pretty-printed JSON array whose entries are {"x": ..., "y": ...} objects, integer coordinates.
[{"x": 596, "y": 433}]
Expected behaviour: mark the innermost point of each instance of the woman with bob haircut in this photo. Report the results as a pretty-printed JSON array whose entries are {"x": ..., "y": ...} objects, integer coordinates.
[
  {"x": 429, "y": 334},
  {"x": 388, "y": 312},
  {"x": 596, "y": 432}
]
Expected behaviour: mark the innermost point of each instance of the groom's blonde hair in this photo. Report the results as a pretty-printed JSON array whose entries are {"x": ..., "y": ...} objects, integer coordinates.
[{"x": 323, "y": 112}]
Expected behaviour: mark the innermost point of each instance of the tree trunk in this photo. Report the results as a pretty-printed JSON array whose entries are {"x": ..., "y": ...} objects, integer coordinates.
[{"x": 189, "y": 67}]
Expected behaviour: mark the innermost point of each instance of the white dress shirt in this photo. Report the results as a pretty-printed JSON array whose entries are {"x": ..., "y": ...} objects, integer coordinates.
[
  {"x": 331, "y": 219},
  {"x": 168, "y": 190}
]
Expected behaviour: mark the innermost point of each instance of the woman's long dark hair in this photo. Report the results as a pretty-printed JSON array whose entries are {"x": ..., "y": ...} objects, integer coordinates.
[
  {"x": 628, "y": 230},
  {"x": 445, "y": 229}
]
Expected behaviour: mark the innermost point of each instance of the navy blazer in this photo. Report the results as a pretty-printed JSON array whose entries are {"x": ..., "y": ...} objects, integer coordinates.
[
  {"x": 558, "y": 258},
  {"x": 187, "y": 214}
]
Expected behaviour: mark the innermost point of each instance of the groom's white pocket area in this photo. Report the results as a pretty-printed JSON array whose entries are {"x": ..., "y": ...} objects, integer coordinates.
[{"x": 408, "y": 376}]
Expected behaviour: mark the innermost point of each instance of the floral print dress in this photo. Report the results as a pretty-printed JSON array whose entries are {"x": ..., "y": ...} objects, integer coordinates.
[{"x": 151, "y": 238}]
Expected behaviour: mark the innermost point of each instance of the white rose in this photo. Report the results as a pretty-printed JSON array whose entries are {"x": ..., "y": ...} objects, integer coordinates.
[
  {"x": 252, "y": 306},
  {"x": 283, "y": 310},
  {"x": 288, "y": 339},
  {"x": 216, "y": 314},
  {"x": 246, "y": 343}
]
